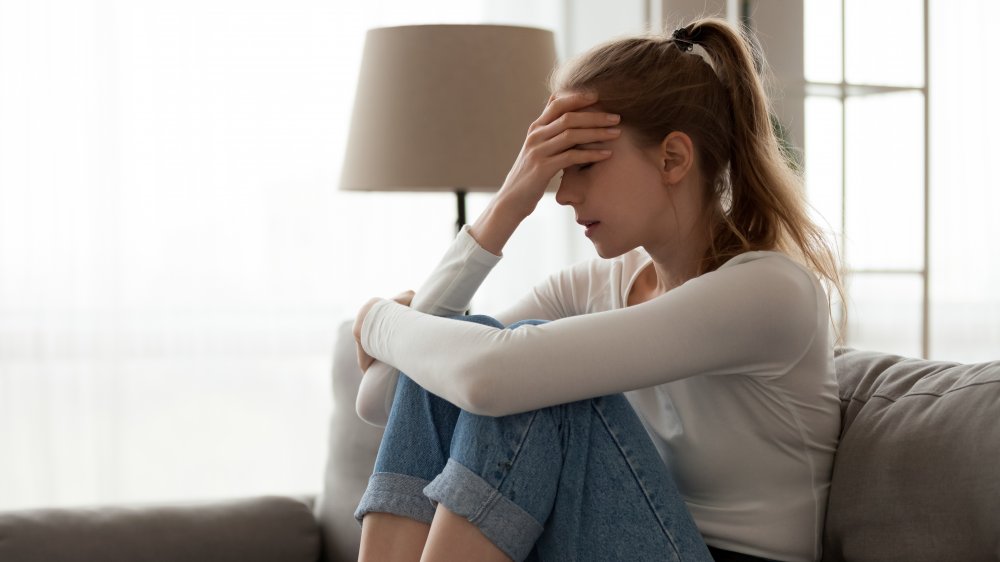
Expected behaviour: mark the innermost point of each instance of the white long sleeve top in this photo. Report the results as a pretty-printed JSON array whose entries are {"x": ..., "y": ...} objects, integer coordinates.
[{"x": 731, "y": 373}]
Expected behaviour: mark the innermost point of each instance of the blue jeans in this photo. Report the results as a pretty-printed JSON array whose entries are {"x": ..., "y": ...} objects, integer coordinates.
[{"x": 577, "y": 481}]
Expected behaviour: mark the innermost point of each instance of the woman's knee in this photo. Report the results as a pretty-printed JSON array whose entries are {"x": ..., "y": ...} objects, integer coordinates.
[
  {"x": 486, "y": 320},
  {"x": 406, "y": 387},
  {"x": 528, "y": 322},
  {"x": 478, "y": 319}
]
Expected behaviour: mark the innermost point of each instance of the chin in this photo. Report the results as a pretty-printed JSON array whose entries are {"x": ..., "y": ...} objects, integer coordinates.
[{"x": 609, "y": 253}]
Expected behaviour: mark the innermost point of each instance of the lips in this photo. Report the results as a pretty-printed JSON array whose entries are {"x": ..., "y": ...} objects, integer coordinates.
[{"x": 590, "y": 226}]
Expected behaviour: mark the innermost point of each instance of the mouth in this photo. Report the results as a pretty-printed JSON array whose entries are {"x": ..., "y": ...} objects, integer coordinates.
[{"x": 589, "y": 225}]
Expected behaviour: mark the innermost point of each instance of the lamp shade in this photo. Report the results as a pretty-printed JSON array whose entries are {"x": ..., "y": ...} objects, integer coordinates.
[{"x": 445, "y": 107}]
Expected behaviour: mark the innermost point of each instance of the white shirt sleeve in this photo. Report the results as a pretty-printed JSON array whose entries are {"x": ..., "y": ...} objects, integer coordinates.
[
  {"x": 447, "y": 292},
  {"x": 754, "y": 316}
]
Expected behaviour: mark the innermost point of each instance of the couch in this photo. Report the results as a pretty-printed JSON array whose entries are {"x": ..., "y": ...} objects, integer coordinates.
[{"x": 916, "y": 477}]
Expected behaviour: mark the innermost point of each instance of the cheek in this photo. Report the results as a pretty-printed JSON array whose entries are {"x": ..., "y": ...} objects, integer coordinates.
[{"x": 641, "y": 188}]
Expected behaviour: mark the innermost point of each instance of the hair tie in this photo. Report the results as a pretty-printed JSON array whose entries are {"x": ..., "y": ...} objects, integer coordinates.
[{"x": 682, "y": 38}]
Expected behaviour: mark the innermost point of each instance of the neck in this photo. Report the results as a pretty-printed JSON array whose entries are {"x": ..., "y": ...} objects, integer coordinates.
[{"x": 679, "y": 260}]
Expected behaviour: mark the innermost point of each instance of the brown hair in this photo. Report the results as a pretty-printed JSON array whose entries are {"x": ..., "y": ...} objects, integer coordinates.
[{"x": 660, "y": 84}]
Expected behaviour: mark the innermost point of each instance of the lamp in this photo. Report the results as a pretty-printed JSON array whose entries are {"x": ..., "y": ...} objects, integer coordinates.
[{"x": 445, "y": 107}]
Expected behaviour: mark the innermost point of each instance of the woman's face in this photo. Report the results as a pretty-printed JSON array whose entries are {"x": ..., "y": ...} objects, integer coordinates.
[{"x": 622, "y": 202}]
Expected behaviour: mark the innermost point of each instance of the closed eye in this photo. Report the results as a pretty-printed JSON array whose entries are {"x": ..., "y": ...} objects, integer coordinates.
[{"x": 583, "y": 167}]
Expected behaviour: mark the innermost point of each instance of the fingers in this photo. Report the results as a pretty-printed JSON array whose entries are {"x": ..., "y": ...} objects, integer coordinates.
[
  {"x": 404, "y": 298},
  {"x": 581, "y": 120},
  {"x": 595, "y": 121},
  {"x": 561, "y": 104},
  {"x": 562, "y": 127},
  {"x": 570, "y": 138},
  {"x": 364, "y": 360},
  {"x": 576, "y": 146},
  {"x": 581, "y": 156}
]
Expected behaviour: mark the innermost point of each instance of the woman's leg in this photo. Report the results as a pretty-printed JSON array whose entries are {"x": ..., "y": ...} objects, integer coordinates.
[
  {"x": 414, "y": 449},
  {"x": 454, "y": 537},
  {"x": 586, "y": 470},
  {"x": 615, "y": 498},
  {"x": 578, "y": 481},
  {"x": 387, "y": 537}
]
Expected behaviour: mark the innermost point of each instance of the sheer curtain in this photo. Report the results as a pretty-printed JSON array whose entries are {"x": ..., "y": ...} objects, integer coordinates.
[
  {"x": 965, "y": 192},
  {"x": 174, "y": 255}
]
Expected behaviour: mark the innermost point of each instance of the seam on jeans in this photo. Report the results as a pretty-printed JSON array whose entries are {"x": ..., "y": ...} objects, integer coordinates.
[
  {"x": 485, "y": 508},
  {"x": 645, "y": 494},
  {"x": 517, "y": 451}
]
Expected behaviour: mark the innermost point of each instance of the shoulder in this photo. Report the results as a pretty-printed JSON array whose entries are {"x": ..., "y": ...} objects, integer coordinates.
[
  {"x": 770, "y": 264},
  {"x": 768, "y": 258},
  {"x": 773, "y": 277},
  {"x": 782, "y": 298}
]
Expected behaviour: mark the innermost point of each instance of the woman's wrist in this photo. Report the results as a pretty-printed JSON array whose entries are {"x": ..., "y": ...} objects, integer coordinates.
[{"x": 498, "y": 222}]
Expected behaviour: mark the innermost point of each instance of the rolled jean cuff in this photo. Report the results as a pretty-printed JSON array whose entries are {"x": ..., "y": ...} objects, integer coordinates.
[
  {"x": 502, "y": 521},
  {"x": 398, "y": 494}
]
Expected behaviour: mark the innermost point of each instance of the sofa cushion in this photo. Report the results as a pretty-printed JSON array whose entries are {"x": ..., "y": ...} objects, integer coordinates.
[
  {"x": 915, "y": 476},
  {"x": 352, "y": 447},
  {"x": 265, "y": 529}
]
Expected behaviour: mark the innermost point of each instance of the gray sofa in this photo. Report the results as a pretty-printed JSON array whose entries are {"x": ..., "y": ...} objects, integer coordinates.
[{"x": 916, "y": 478}]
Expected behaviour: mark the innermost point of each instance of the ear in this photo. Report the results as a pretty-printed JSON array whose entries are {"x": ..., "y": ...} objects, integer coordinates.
[{"x": 676, "y": 157}]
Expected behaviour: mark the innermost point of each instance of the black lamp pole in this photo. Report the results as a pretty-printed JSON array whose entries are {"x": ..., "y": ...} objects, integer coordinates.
[{"x": 460, "y": 195}]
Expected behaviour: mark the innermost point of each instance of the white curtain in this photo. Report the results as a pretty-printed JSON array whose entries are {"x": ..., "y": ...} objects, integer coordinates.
[
  {"x": 174, "y": 254},
  {"x": 965, "y": 191}
]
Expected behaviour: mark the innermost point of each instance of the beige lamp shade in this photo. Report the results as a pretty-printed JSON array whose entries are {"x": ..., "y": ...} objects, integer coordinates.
[{"x": 445, "y": 107}]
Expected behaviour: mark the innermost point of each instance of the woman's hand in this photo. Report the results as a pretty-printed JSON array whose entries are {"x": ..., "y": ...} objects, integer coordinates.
[
  {"x": 365, "y": 360},
  {"x": 554, "y": 142}
]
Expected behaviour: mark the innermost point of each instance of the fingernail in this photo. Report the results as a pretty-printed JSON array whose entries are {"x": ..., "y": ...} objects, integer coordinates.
[
  {"x": 590, "y": 95},
  {"x": 613, "y": 130},
  {"x": 614, "y": 118},
  {"x": 605, "y": 152}
]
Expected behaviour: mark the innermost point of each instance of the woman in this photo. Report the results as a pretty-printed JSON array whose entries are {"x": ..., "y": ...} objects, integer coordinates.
[{"x": 706, "y": 309}]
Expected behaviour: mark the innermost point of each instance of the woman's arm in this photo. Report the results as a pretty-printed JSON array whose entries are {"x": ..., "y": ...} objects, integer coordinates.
[
  {"x": 550, "y": 146},
  {"x": 758, "y": 316},
  {"x": 447, "y": 292}
]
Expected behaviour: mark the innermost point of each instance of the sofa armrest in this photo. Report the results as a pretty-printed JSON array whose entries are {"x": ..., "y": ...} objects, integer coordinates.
[{"x": 260, "y": 529}]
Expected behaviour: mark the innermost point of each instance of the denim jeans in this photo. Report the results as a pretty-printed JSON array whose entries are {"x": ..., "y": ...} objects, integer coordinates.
[{"x": 578, "y": 481}]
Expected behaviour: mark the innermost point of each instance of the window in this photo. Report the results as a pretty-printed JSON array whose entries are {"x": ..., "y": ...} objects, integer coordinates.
[
  {"x": 895, "y": 162},
  {"x": 865, "y": 155}
]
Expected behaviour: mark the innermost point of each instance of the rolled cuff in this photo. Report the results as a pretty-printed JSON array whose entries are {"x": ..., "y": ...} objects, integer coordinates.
[
  {"x": 398, "y": 494},
  {"x": 502, "y": 521}
]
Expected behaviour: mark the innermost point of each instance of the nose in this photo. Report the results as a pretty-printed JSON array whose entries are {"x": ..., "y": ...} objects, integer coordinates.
[{"x": 567, "y": 194}]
